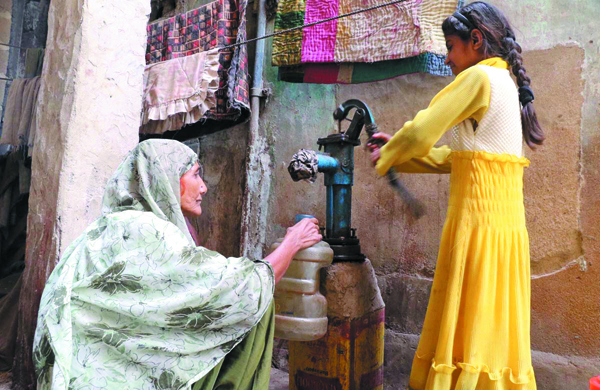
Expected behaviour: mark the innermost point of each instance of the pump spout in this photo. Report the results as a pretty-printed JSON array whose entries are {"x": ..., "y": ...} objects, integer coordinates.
[
  {"x": 327, "y": 163},
  {"x": 307, "y": 163}
]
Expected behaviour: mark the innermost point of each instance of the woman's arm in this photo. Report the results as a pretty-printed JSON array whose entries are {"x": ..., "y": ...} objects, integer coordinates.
[
  {"x": 468, "y": 96},
  {"x": 302, "y": 235}
]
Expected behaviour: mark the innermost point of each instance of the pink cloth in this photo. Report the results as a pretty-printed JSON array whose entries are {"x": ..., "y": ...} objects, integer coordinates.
[{"x": 318, "y": 42}]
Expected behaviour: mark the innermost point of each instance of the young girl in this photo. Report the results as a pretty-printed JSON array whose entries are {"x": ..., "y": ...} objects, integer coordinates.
[{"x": 476, "y": 331}]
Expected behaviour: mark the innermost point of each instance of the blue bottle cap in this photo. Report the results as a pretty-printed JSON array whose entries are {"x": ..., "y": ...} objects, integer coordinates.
[{"x": 300, "y": 217}]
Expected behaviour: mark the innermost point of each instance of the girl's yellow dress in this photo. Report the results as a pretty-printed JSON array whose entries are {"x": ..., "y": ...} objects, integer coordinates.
[{"x": 476, "y": 331}]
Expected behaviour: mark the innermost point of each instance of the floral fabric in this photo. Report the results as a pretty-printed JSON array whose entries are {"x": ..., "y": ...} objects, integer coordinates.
[{"x": 133, "y": 303}]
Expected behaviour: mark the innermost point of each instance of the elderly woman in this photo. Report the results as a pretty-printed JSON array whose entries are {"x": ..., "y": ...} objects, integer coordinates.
[{"x": 135, "y": 304}]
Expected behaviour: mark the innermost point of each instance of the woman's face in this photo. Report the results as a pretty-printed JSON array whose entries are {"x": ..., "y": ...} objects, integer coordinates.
[{"x": 192, "y": 188}]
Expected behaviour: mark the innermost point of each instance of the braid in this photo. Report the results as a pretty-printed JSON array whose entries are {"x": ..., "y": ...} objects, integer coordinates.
[
  {"x": 532, "y": 131},
  {"x": 514, "y": 59}
]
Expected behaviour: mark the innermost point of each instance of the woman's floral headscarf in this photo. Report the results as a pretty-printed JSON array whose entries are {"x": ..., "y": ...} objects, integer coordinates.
[
  {"x": 148, "y": 180},
  {"x": 133, "y": 303}
]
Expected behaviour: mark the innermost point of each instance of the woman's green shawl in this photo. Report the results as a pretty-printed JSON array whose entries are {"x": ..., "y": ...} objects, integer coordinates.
[{"x": 133, "y": 303}]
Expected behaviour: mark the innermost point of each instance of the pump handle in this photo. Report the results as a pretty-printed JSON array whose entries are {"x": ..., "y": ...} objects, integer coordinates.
[{"x": 364, "y": 117}]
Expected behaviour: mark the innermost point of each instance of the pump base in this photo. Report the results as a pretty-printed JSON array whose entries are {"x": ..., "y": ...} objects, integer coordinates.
[
  {"x": 350, "y": 355},
  {"x": 345, "y": 249}
]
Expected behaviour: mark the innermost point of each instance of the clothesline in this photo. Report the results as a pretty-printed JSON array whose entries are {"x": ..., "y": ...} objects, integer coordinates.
[
  {"x": 312, "y": 24},
  {"x": 288, "y": 30},
  {"x": 6, "y": 44}
]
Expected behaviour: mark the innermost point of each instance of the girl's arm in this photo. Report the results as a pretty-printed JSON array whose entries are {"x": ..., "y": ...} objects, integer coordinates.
[
  {"x": 468, "y": 96},
  {"x": 436, "y": 161}
]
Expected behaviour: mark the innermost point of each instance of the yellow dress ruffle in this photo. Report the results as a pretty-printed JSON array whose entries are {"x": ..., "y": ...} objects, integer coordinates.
[{"x": 476, "y": 331}]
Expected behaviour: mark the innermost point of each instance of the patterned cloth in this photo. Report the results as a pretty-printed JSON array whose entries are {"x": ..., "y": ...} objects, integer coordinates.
[
  {"x": 217, "y": 24},
  {"x": 338, "y": 51},
  {"x": 362, "y": 72},
  {"x": 133, "y": 303}
]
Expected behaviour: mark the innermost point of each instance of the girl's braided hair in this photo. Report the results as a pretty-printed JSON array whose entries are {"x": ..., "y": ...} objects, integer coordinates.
[{"x": 499, "y": 41}]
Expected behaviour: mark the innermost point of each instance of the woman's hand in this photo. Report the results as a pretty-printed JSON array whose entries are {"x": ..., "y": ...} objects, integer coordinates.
[
  {"x": 302, "y": 235},
  {"x": 375, "y": 147}
]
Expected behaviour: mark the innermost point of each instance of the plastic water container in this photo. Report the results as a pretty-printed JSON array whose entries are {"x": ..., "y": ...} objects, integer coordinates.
[{"x": 300, "y": 309}]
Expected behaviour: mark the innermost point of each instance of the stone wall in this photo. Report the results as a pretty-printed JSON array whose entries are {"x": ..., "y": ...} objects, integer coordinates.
[{"x": 223, "y": 156}]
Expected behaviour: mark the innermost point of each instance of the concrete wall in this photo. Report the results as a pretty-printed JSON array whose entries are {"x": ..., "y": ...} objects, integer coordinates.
[
  {"x": 223, "y": 156},
  {"x": 562, "y": 47},
  {"x": 90, "y": 100}
]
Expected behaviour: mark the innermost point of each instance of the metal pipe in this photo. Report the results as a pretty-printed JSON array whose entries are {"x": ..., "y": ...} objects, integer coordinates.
[
  {"x": 330, "y": 210},
  {"x": 254, "y": 213},
  {"x": 327, "y": 163},
  {"x": 342, "y": 213},
  {"x": 260, "y": 55}
]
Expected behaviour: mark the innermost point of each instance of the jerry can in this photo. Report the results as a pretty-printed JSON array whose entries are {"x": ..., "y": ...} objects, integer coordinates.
[{"x": 300, "y": 309}]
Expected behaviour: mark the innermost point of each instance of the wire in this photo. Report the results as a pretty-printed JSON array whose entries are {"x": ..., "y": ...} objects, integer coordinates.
[
  {"x": 311, "y": 24},
  {"x": 6, "y": 44}
]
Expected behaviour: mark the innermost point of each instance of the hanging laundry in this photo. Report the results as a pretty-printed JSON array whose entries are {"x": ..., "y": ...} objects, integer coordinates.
[
  {"x": 364, "y": 72},
  {"x": 179, "y": 92},
  {"x": 12, "y": 112},
  {"x": 20, "y": 113},
  {"x": 34, "y": 60},
  {"x": 375, "y": 45},
  {"x": 27, "y": 122},
  {"x": 216, "y": 24}
]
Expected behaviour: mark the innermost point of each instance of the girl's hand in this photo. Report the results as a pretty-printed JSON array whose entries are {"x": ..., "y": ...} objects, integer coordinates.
[
  {"x": 375, "y": 147},
  {"x": 304, "y": 234}
]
